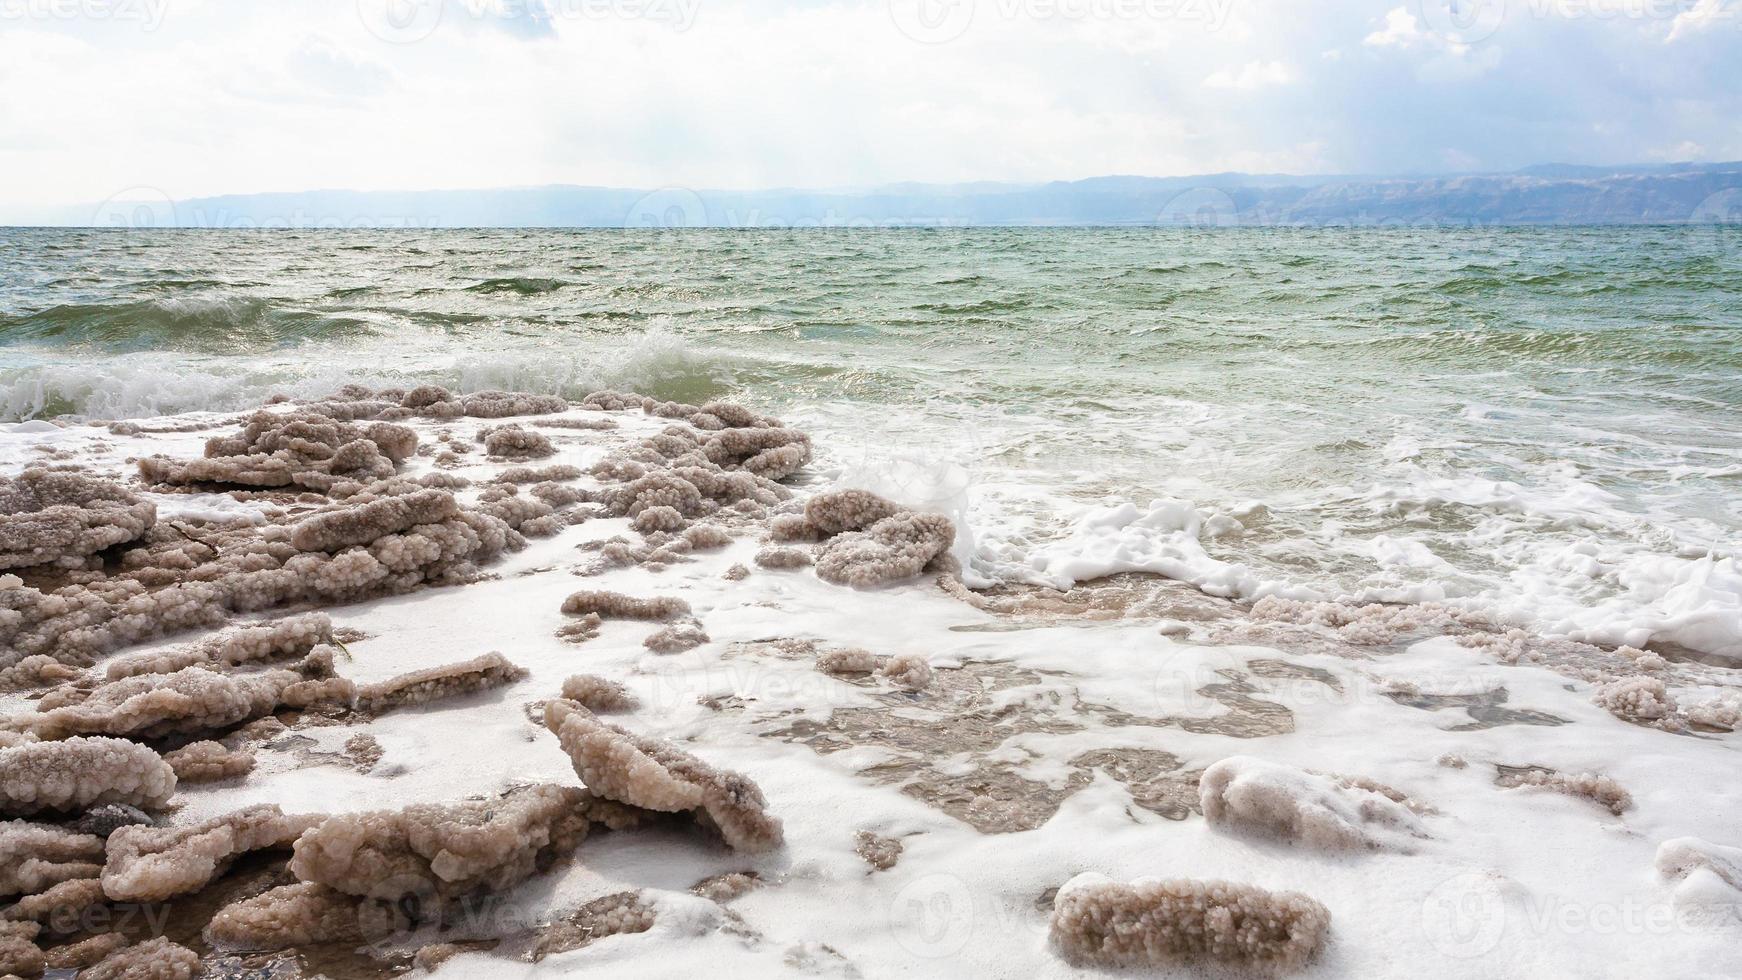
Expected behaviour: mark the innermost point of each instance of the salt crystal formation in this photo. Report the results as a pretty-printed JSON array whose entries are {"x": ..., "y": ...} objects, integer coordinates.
[
  {"x": 292, "y": 636},
  {"x": 909, "y": 670},
  {"x": 79, "y": 773},
  {"x": 848, "y": 662},
  {"x": 1599, "y": 789},
  {"x": 60, "y": 902},
  {"x": 208, "y": 761},
  {"x": 1640, "y": 700},
  {"x": 286, "y": 916},
  {"x": 867, "y": 540},
  {"x": 784, "y": 558},
  {"x": 154, "y": 959},
  {"x": 55, "y": 518},
  {"x": 35, "y": 857},
  {"x": 281, "y": 449},
  {"x": 615, "y": 605},
  {"x": 480, "y": 673},
  {"x": 19, "y": 955},
  {"x": 385, "y": 538},
  {"x": 192, "y": 701},
  {"x": 1167, "y": 924},
  {"x": 150, "y": 864},
  {"x": 598, "y": 694},
  {"x": 439, "y": 851},
  {"x": 84, "y": 953},
  {"x": 676, "y": 638},
  {"x": 513, "y": 442},
  {"x": 643, "y": 772},
  {"x": 1252, "y": 796}
]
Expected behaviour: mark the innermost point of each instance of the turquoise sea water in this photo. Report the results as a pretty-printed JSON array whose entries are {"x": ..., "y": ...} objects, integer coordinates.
[{"x": 1548, "y": 421}]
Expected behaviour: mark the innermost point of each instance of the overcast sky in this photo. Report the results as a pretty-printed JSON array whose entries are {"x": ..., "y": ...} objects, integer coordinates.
[{"x": 196, "y": 97}]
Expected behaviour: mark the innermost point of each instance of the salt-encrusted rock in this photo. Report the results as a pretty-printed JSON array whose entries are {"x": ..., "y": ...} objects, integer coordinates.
[
  {"x": 362, "y": 524},
  {"x": 290, "y": 915},
  {"x": 444, "y": 851},
  {"x": 192, "y": 700},
  {"x": 1248, "y": 795},
  {"x": 150, "y": 864},
  {"x": 208, "y": 761},
  {"x": 892, "y": 549},
  {"x": 784, "y": 558},
  {"x": 1168, "y": 924},
  {"x": 835, "y": 511},
  {"x": 598, "y": 694},
  {"x": 1640, "y": 700},
  {"x": 909, "y": 670},
  {"x": 1599, "y": 789},
  {"x": 19, "y": 955},
  {"x": 73, "y": 775},
  {"x": 173, "y": 582},
  {"x": 435, "y": 683},
  {"x": 615, "y": 605},
  {"x": 676, "y": 638},
  {"x": 619, "y": 765},
  {"x": 847, "y": 662},
  {"x": 291, "y": 636},
  {"x": 154, "y": 959},
  {"x": 660, "y": 518},
  {"x": 61, "y": 902},
  {"x": 513, "y": 442},
  {"x": 49, "y": 517},
  {"x": 36, "y": 856},
  {"x": 281, "y": 449},
  {"x": 85, "y": 952}
]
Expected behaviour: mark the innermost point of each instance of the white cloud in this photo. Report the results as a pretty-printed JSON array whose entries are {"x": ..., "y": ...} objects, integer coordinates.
[
  {"x": 1250, "y": 76},
  {"x": 1401, "y": 30},
  {"x": 233, "y": 97},
  {"x": 1702, "y": 15}
]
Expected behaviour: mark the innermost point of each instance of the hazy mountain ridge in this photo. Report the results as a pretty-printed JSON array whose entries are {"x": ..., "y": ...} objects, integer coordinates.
[{"x": 1542, "y": 194}]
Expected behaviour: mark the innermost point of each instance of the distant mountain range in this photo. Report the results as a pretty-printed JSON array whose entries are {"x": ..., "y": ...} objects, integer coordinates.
[{"x": 1548, "y": 194}]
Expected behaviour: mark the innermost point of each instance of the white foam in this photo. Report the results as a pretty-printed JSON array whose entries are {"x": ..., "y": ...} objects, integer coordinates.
[{"x": 1163, "y": 539}]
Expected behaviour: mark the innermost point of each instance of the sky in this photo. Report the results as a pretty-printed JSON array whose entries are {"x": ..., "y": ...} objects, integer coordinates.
[{"x": 102, "y": 99}]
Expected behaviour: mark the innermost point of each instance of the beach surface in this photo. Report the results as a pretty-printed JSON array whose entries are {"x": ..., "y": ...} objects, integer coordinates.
[{"x": 943, "y": 751}]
